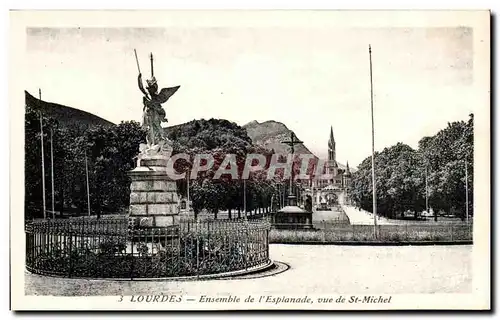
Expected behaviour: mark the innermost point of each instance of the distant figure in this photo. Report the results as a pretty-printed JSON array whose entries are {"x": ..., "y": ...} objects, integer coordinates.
[{"x": 308, "y": 204}]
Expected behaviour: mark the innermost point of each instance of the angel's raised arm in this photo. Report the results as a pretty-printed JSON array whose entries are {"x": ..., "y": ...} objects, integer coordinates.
[{"x": 141, "y": 87}]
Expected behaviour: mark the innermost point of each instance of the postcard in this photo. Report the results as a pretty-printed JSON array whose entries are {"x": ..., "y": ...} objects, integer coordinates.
[{"x": 250, "y": 160}]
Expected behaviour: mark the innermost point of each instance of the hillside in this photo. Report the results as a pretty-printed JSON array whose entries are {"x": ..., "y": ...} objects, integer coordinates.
[
  {"x": 270, "y": 134},
  {"x": 65, "y": 115}
]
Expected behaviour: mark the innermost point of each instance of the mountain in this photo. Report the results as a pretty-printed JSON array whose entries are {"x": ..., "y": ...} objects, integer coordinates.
[
  {"x": 271, "y": 133},
  {"x": 65, "y": 115}
]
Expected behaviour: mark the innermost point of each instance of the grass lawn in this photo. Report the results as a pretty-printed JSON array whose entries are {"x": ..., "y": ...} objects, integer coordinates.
[{"x": 386, "y": 233}]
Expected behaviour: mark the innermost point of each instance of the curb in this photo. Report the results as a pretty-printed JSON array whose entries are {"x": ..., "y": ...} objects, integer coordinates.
[{"x": 263, "y": 267}]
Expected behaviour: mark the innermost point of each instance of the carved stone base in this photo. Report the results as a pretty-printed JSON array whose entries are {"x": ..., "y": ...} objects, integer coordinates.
[{"x": 153, "y": 195}]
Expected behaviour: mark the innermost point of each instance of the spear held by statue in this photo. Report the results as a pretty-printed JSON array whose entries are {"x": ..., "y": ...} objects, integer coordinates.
[{"x": 137, "y": 61}]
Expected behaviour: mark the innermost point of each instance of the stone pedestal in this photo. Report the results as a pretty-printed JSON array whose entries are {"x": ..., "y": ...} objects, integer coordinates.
[{"x": 153, "y": 195}]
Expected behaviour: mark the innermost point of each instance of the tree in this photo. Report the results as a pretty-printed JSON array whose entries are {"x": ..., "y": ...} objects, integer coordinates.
[
  {"x": 110, "y": 152},
  {"x": 33, "y": 161},
  {"x": 110, "y": 156},
  {"x": 219, "y": 138},
  {"x": 400, "y": 174},
  {"x": 398, "y": 182},
  {"x": 447, "y": 154}
]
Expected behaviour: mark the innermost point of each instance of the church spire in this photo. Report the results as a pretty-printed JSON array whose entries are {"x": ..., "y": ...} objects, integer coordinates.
[
  {"x": 331, "y": 147},
  {"x": 348, "y": 171},
  {"x": 332, "y": 139}
]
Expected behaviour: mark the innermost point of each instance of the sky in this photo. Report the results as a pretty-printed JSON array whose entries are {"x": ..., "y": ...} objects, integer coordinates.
[{"x": 307, "y": 78}]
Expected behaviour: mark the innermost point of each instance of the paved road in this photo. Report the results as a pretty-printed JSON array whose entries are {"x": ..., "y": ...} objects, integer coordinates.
[
  {"x": 360, "y": 216},
  {"x": 314, "y": 270},
  {"x": 329, "y": 216}
]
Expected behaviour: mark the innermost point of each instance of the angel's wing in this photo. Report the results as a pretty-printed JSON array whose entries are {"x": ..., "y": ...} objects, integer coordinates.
[{"x": 166, "y": 93}]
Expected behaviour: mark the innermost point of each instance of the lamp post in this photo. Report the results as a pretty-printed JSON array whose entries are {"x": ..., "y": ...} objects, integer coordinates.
[
  {"x": 466, "y": 179},
  {"x": 52, "y": 172},
  {"x": 187, "y": 191},
  {"x": 245, "y": 198},
  {"x": 426, "y": 190},
  {"x": 426, "y": 177},
  {"x": 312, "y": 197},
  {"x": 466, "y": 192},
  {"x": 87, "y": 179},
  {"x": 278, "y": 185}
]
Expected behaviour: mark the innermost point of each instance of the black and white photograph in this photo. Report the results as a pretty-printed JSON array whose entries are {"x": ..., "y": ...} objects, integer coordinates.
[{"x": 250, "y": 160}]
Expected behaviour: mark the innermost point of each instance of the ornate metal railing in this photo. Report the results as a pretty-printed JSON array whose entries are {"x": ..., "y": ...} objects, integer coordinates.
[{"x": 113, "y": 249}]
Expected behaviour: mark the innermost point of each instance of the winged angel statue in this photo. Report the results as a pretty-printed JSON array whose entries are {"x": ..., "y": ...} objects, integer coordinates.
[{"x": 153, "y": 112}]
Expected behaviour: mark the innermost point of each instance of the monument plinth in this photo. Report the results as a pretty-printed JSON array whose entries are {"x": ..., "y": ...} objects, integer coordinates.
[{"x": 154, "y": 201}]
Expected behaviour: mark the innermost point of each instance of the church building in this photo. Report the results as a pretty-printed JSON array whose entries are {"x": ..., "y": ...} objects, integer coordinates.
[{"x": 334, "y": 190}]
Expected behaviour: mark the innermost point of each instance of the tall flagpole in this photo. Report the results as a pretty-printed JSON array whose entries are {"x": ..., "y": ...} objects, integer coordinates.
[
  {"x": 373, "y": 147},
  {"x": 88, "y": 189},
  {"x": 52, "y": 171},
  {"x": 43, "y": 153}
]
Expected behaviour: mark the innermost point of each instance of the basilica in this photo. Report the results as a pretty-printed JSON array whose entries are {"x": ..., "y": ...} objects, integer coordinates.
[{"x": 334, "y": 190}]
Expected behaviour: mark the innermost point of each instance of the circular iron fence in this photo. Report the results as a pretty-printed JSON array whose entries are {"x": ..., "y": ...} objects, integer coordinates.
[{"x": 112, "y": 249}]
